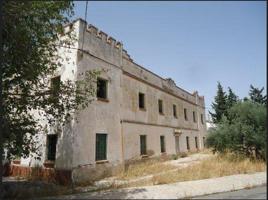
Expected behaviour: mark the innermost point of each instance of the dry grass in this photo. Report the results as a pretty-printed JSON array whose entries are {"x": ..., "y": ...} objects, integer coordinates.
[
  {"x": 221, "y": 165},
  {"x": 144, "y": 168}
]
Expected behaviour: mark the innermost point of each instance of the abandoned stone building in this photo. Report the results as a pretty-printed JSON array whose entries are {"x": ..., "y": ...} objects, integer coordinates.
[{"x": 136, "y": 113}]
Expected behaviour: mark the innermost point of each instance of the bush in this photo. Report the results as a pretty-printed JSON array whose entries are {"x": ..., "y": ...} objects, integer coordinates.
[{"x": 244, "y": 132}]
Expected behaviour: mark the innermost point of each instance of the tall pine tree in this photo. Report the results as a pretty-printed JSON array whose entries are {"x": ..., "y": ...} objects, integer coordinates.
[
  {"x": 231, "y": 98},
  {"x": 256, "y": 95},
  {"x": 220, "y": 105}
]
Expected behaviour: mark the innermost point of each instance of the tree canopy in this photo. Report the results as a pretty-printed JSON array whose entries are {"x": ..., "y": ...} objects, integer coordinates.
[
  {"x": 244, "y": 132},
  {"x": 31, "y": 37},
  {"x": 220, "y": 104},
  {"x": 256, "y": 95}
]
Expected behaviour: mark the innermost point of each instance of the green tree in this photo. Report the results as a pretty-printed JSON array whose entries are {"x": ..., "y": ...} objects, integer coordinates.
[
  {"x": 32, "y": 34},
  {"x": 256, "y": 95},
  {"x": 232, "y": 99},
  {"x": 220, "y": 105},
  {"x": 243, "y": 133}
]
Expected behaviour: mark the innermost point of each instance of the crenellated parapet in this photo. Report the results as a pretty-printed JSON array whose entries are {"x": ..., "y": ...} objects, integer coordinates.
[{"x": 103, "y": 36}]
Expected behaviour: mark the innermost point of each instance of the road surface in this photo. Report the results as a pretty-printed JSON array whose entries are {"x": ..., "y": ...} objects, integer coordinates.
[{"x": 253, "y": 193}]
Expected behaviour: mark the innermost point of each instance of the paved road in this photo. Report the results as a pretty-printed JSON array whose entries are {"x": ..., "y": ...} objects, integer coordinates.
[{"x": 253, "y": 193}]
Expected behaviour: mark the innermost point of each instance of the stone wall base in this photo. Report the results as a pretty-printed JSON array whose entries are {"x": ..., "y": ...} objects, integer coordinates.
[{"x": 63, "y": 177}]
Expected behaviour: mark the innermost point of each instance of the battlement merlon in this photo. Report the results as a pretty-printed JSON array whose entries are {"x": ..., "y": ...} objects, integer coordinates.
[{"x": 101, "y": 35}]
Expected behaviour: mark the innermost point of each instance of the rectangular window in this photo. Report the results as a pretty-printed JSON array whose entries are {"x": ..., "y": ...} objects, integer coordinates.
[
  {"x": 185, "y": 114},
  {"x": 51, "y": 146},
  {"x": 187, "y": 143},
  {"x": 174, "y": 111},
  {"x": 55, "y": 86},
  {"x": 194, "y": 119},
  {"x": 143, "y": 144},
  {"x": 160, "y": 106},
  {"x": 102, "y": 88},
  {"x": 141, "y": 101},
  {"x": 204, "y": 141},
  {"x": 101, "y": 146},
  {"x": 196, "y": 143},
  {"x": 162, "y": 144},
  {"x": 202, "y": 120}
]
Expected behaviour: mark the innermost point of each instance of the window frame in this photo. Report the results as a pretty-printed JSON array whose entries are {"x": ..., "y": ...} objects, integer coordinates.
[
  {"x": 185, "y": 114},
  {"x": 143, "y": 145},
  {"x": 160, "y": 107},
  {"x": 98, "y": 156},
  {"x": 196, "y": 142},
  {"x": 175, "y": 111},
  {"x": 143, "y": 100},
  {"x": 188, "y": 142},
  {"x": 106, "y": 89},
  {"x": 194, "y": 116},
  {"x": 162, "y": 144},
  {"x": 202, "y": 118},
  {"x": 51, "y": 154}
]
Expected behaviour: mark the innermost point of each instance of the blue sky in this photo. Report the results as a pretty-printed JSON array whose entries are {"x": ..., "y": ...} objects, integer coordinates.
[{"x": 194, "y": 43}]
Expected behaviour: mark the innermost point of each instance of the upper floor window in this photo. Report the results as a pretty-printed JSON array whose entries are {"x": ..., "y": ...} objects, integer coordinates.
[
  {"x": 174, "y": 111},
  {"x": 160, "y": 106},
  {"x": 202, "y": 119},
  {"x": 194, "y": 117},
  {"x": 55, "y": 86},
  {"x": 102, "y": 88},
  {"x": 141, "y": 101},
  {"x": 185, "y": 114}
]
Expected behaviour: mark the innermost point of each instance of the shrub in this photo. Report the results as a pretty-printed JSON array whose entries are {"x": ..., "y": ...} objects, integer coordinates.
[{"x": 244, "y": 132}]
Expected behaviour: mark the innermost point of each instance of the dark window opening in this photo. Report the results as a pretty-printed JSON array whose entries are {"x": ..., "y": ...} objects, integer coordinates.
[
  {"x": 55, "y": 86},
  {"x": 204, "y": 141},
  {"x": 101, "y": 146},
  {"x": 174, "y": 111},
  {"x": 141, "y": 100},
  {"x": 143, "y": 144},
  {"x": 185, "y": 114},
  {"x": 202, "y": 120},
  {"x": 102, "y": 88},
  {"x": 196, "y": 142},
  {"x": 187, "y": 142},
  {"x": 51, "y": 146},
  {"x": 160, "y": 106},
  {"x": 162, "y": 144},
  {"x": 194, "y": 119}
]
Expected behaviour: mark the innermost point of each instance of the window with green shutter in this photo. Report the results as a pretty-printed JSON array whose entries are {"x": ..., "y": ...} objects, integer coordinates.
[
  {"x": 162, "y": 143},
  {"x": 51, "y": 146},
  {"x": 143, "y": 144},
  {"x": 101, "y": 146}
]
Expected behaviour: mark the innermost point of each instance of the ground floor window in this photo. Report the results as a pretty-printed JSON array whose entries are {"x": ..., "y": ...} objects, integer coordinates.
[
  {"x": 143, "y": 144},
  {"x": 204, "y": 141},
  {"x": 51, "y": 146},
  {"x": 162, "y": 144},
  {"x": 196, "y": 142},
  {"x": 101, "y": 146},
  {"x": 187, "y": 143}
]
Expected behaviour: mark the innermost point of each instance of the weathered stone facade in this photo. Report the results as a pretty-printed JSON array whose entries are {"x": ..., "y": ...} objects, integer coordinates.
[{"x": 119, "y": 116}]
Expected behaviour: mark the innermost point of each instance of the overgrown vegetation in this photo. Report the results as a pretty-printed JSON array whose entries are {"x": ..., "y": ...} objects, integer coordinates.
[
  {"x": 145, "y": 167},
  {"x": 241, "y": 128},
  {"x": 217, "y": 166}
]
